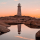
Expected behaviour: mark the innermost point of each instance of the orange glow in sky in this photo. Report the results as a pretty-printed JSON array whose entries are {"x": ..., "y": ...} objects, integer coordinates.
[{"x": 28, "y": 7}]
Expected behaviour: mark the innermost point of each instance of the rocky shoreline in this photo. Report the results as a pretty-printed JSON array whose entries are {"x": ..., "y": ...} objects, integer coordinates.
[
  {"x": 4, "y": 27},
  {"x": 5, "y": 22}
]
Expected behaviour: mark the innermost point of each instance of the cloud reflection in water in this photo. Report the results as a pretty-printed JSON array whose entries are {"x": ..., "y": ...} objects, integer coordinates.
[{"x": 24, "y": 38}]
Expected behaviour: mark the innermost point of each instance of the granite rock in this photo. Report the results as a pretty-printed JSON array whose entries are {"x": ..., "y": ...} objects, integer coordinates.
[{"x": 3, "y": 29}]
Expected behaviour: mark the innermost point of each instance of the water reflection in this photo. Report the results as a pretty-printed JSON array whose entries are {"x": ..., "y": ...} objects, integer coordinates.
[
  {"x": 31, "y": 26},
  {"x": 25, "y": 34},
  {"x": 19, "y": 28}
]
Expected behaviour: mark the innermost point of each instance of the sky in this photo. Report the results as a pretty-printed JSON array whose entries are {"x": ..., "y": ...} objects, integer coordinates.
[{"x": 28, "y": 7}]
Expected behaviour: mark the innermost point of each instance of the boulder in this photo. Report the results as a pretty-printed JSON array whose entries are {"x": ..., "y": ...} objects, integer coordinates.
[
  {"x": 38, "y": 34},
  {"x": 3, "y": 29}
]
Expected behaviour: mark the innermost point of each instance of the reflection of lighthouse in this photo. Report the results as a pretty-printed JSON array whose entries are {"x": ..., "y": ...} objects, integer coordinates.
[
  {"x": 19, "y": 10},
  {"x": 19, "y": 28}
]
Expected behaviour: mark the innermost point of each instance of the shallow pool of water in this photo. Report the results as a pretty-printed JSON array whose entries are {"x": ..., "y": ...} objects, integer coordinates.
[{"x": 19, "y": 32}]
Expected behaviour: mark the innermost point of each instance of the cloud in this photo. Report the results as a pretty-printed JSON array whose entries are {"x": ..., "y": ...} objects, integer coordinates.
[
  {"x": 3, "y": 2},
  {"x": 36, "y": 10},
  {"x": 15, "y": 0},
  {"x": 24, "y": 38}
]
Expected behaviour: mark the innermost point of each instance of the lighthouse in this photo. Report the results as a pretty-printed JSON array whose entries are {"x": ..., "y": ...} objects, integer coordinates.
[{"x": 19, "y": 10}]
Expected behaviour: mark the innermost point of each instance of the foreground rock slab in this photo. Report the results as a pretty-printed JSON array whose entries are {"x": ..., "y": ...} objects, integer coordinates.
[
  {"x": 38, "y": 35},
  {"x": 3, "y": 29}
]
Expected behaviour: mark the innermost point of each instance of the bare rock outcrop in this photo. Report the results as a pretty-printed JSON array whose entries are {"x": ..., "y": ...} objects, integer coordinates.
[
  {"x": 3, "y": 29},
  {"x": 4, "y": 24},
  {"x": 28, "y": 22},
  {"x": 38, "y": 34},
  {"x": 33, "y": 22},
  {"x": 32, "y": 26},
  {"x": 4, "y": 21}
]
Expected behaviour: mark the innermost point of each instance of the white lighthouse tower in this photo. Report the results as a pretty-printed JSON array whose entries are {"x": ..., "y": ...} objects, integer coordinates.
[{"x": 19, "y": 10}]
